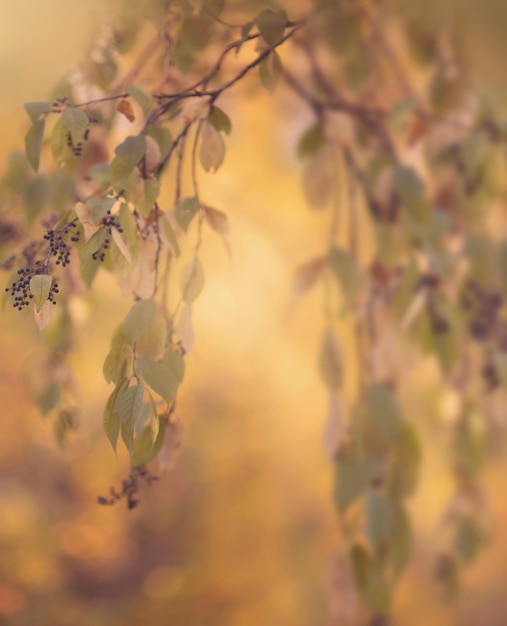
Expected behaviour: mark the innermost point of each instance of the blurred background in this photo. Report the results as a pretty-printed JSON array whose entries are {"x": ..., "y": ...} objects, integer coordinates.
[{"x": 242, "y": 531}]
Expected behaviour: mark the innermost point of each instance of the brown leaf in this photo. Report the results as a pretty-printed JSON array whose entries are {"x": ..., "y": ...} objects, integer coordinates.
[{"x": 125, "y": 107}]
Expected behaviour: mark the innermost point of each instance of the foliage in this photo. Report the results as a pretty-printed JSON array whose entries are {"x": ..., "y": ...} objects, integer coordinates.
[{"x": 411, "y": 180}]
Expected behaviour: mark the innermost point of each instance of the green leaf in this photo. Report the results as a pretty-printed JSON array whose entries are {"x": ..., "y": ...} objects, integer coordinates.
[
  {"x": 141, "y": 96},
  {"x": 152, "y": 342},
  {"x": 213, "y": 7},
  {"x": 118, "y": 361},
  {"x": 171, "y": 236},
  {"x": 149, "y": 195},
  {"x": 48, "y": 398},
  {"x": 379, "y": 521},
  {"x": 131, "y": 151},
  {"x": 195, "y": 34},
  {"x": 185, "y": 211},
  {"x": 370, "y": 580},
  {"x": 346, "y": 271},
  {"x": 36, "y": 109},
  {"x": 138, "y": 319},
  {"x": 401, "y": 540},
  {"x": 62, "y": 152},
  {"x": 162, "y": 136},
  {"x": 470, "y": 440},
  {"x": 40, "y": 286},
  {"x": 245, "y": 31},
  {"x": 33, "y": 143},
  {"x": 175, "y": 362},
  {"x": 404, "y": 464},
  {"x": 382, "y": 406},
  {"x": 212, "y": 150},
  {"x": 475, "y": 151},
  {"x": 353, "y": 477},
  {"x": 111, "y": 416},
  {"x": 467, "y": 539},
  {"x": 76, "y": 122},
  {"x": 330, "y": 361},
  {"x": 219, "y": 119},
  {"x": 271, "y": 26},
  {"x": 270, "y": 71},
  {"x": 146, "y": 447},
  {"x": 311, "y": 141},
  {"x": 129, "y": 404},
  {"x": 192, "y": 280},
  {"x": 157, "y": 376}
]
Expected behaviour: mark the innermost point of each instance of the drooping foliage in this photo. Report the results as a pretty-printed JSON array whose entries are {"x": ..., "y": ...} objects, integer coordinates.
[{"x": 403, "y": 154}]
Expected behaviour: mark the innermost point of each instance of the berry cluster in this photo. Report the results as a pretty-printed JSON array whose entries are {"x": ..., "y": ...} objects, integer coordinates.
[
  {"x": 20, "y": 288},
  {"x": 483, "y": 307},
  {"x": 58, "y": 247},
  {"x": 108, "y": 222},
  {"x": 77, "y": 148},
  {"x": 129, "y": 488}
]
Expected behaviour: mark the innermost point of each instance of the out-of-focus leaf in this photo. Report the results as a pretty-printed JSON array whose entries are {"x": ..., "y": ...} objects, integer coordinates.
[
  {"x": 171, "y": 236},
  {"x": 370, "y": 580},
  {"x": 311, "y": 141},
  {"x": 334, "y": 430},
  {"x": 405, "y": 461},
  {"x": 330, "y": 361},
  {"x": 175, "y": 362},
  {"x": 36, "y": 109},
  {"x": 401, "y": 540},
  {"x": 270, "y": 70},
  {"x": 195, "y": 34},
  {"x": 470, "y": 440},
  {"x": 217, "y": 221},
  {"x": 346, "y": 271},
  {"x": 271, "y": 25},
  {"x": 184, "y": 328},
  {"x": 185, "y": 211},
  {"x": 468, "y": 539},
  {"x": 212, "y": 150},
  {"x": 382, "y": 405},
  {"x": 33, "y": 143},
  {"x": 353, "y": 477},
  {"x": 318, "y": 178},
  {"x": 219, "y": 119},
  {"x": 192, "y": 280},
  {"x": 379, "y": 518}
]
